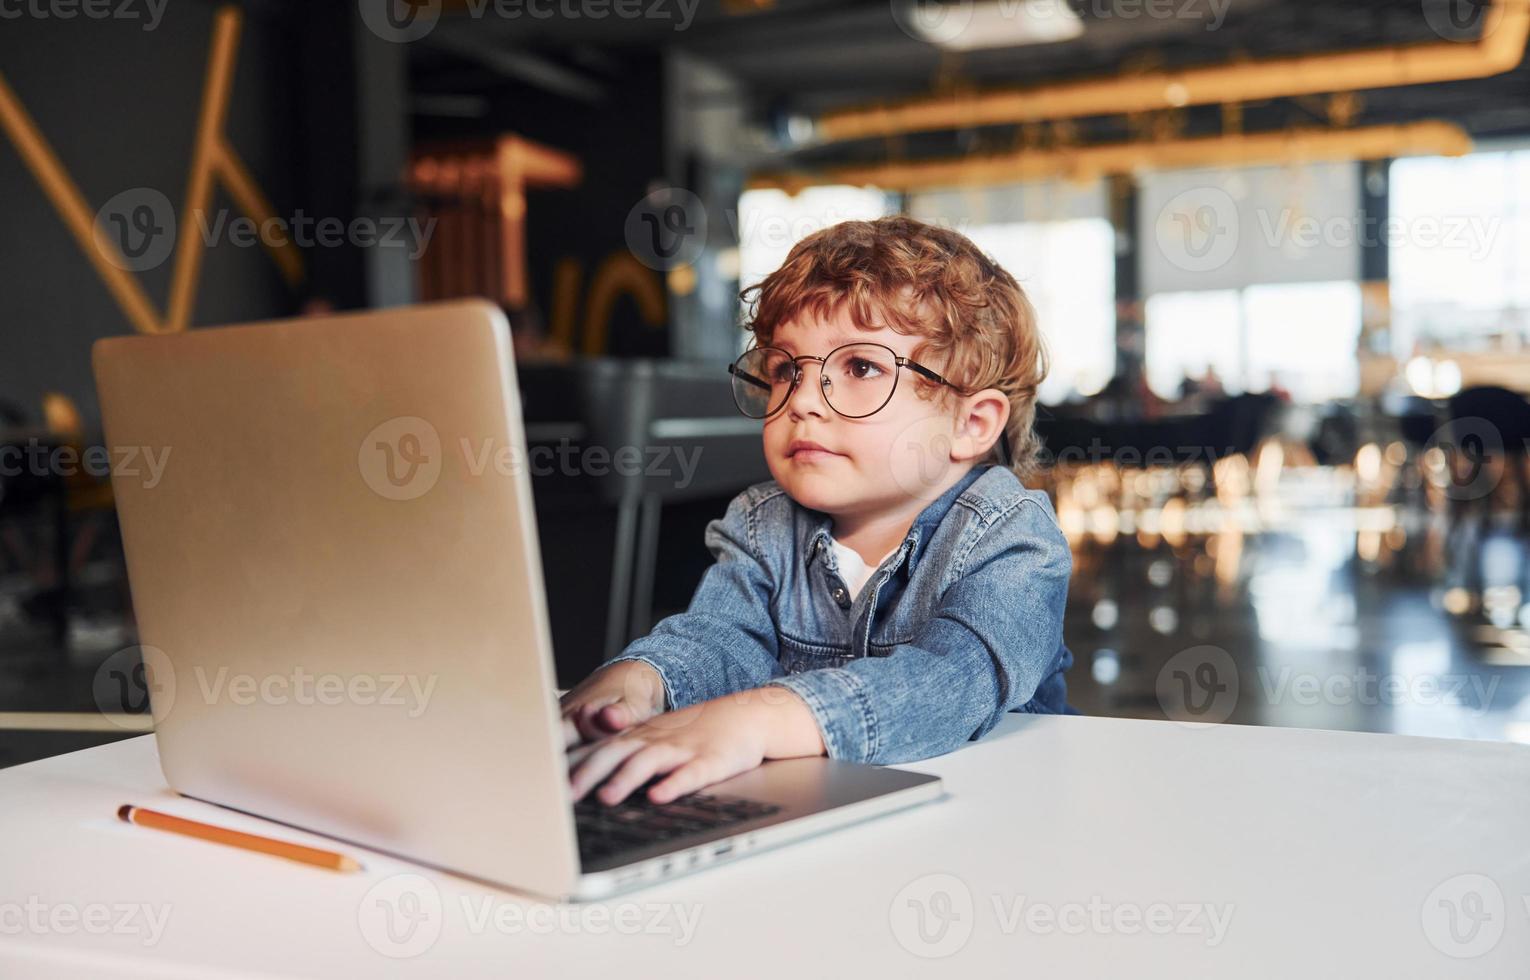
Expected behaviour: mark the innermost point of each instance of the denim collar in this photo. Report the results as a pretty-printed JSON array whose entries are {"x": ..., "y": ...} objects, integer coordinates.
[{"x": 918, "y": 534}]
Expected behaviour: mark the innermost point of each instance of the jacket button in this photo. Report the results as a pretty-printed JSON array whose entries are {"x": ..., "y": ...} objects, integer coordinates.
[
  {"x": 796, "y": 667},
  {"x": 841, "y": 596}
]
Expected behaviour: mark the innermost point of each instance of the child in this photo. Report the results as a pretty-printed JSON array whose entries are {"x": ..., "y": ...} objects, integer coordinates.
[{"x": 891, "y": 593}]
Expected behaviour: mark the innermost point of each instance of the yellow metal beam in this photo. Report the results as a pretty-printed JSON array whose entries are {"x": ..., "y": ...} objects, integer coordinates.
[
  {"x": 1501, "y": 47},
  {"x": 1087, "y": 162}
]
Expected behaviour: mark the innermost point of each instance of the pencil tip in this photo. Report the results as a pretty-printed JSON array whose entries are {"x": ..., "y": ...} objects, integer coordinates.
[{"x": 124, "y": 812}]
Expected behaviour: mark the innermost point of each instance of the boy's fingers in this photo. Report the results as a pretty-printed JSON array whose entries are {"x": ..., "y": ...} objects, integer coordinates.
[
  {"x": 598, "y": 764},
  {"x": 583, "y": 719},
  {"x": 636, "y": 770},
  {"x": 615, "y": 717},
  {"x": 694, "y": 775},
  {"x": 579, "y": 753}
]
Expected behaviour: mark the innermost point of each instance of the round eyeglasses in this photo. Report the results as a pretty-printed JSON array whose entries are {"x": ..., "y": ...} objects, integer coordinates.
[{"x": 857, "y": 379}]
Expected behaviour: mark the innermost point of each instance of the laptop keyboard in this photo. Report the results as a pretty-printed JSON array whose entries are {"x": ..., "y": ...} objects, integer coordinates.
[{"x": 636, "y": 822}]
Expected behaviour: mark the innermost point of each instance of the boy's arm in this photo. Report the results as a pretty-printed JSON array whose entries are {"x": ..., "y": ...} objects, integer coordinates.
[
  {"x": 726, "y": 641},
  {"x": 991, "y": 641}
]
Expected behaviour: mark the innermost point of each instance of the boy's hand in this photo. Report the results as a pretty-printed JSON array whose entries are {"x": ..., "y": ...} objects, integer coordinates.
[
  {"x": 699, "y": 745},
  {"x": 613, "y": 698}
]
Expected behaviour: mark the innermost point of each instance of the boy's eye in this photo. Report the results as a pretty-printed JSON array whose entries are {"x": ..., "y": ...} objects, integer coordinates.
[
  {"x": 782, "y": 373},
  {"x": 864, "y": 370}
]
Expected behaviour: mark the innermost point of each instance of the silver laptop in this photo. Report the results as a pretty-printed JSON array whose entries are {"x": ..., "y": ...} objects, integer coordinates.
[{"x": 338, "y": 587}]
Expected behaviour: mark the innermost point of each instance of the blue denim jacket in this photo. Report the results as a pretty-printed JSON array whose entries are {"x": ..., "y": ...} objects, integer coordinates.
[{"x": 960, "y": 625}]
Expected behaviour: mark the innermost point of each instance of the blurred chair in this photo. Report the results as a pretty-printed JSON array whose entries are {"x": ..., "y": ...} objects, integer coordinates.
[
  {"x": 87, "y": 497},
  {"x": 1485, "y": 440},
  {"x": 1490, "y": 427}
]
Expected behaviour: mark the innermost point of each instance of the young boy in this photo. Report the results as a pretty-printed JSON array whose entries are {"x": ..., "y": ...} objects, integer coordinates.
[{"x": 891, "y": 593}]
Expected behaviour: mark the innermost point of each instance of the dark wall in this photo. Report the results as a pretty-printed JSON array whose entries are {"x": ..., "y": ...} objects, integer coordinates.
[{"x": 119, "y": 106}]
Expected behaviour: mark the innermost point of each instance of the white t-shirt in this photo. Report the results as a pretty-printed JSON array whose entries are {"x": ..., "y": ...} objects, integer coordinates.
[{"x": 853, "y": 569}]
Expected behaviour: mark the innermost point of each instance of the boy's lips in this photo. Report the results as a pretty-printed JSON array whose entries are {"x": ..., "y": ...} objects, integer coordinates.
[{"x": 805, "y": 450}]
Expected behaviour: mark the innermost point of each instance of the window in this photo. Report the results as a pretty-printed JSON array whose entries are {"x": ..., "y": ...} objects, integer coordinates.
[
  {"x": 1068, "y": 270},
  {"x": 1189, "y": 333},
  {"x": 1460, "y": 236},
  {"x": 770, "y": 222},
  {"x": 1300, "y": 337}
]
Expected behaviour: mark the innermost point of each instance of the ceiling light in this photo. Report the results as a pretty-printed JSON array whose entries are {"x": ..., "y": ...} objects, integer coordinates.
[{"x": 967, "y": 25}]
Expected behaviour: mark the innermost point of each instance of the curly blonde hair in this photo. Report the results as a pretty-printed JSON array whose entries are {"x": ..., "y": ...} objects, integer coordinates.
[{"x": 920, "y": 280}]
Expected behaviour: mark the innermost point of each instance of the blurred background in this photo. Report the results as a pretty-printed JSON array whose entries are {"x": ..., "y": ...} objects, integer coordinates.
[{"x": 1280, "y": 252}]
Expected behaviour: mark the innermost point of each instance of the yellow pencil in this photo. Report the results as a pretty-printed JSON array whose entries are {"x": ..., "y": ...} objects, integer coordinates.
[{"x": 234, "y": 838}]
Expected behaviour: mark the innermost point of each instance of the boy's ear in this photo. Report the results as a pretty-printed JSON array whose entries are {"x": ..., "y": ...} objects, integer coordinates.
[{"x": 980, "y": 419}]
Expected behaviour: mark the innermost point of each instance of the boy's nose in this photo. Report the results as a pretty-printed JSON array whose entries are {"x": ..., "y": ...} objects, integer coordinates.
[{"x": 808, "y": 397}]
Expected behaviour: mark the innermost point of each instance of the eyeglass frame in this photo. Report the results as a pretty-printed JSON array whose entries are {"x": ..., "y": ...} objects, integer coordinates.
[{"x": 898, "y": 360}]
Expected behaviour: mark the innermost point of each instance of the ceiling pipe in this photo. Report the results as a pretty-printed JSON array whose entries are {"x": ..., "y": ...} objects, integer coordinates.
[
  {"x": 1087, "y": 162},
  {"x": 1501, "y": 47}
]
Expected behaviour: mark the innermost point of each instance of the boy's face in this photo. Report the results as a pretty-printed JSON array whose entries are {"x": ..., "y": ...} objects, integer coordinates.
[{"x": 867, "y": 465}]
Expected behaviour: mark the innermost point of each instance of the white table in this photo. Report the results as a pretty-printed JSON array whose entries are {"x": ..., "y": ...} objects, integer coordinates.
[{"x": 1067, "y": 848}]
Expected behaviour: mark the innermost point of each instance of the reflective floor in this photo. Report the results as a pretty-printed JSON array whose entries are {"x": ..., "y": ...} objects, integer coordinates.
[{"x": 1327, "y": 615}]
